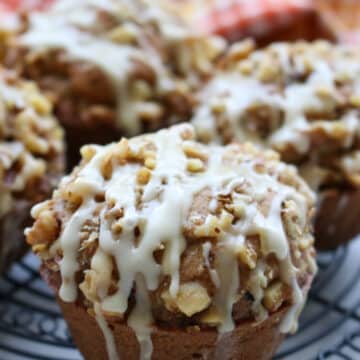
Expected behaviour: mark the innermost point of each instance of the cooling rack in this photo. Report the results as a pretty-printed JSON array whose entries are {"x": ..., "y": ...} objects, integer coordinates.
[{"x": 31, "y": 325}]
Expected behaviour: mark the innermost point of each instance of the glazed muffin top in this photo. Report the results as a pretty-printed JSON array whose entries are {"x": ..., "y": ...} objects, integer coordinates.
[
  {"x": 31, "y": 146},
  {"x": 301, "y": 99},
  {"x": 185, "y": 234},
  {"x": 145, "y": 50}
]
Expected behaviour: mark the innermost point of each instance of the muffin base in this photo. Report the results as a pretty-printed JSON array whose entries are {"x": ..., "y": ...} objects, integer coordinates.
[
  {"x": 337, "y": 220},
  {"x": 247, "y": 341}
]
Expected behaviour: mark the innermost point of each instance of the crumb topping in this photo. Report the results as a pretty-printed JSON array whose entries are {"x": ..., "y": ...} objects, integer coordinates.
[
  {"x": 300, "y": 99},
  {"x": 162, "y": 229}
]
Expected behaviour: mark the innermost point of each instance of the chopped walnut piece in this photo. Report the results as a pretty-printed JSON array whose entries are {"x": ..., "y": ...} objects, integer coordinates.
[
  {"x": 193, "y": 151},
  {"x": 150, "y": 163},
  {"x": 248, "y": 257},
  {"x": 275, "y": 295},
  {"x": 211, "y": 317},
  {"x": 87, "y": 152},
  {"x": 123, "y": 35},
  {"x": 45, "y": 229},
  {"x": 143, "y": 176},
  {"x": 195, "y": 165},
  {"x": 192, "y": 298},
  {"x": 240, "y": 50}
]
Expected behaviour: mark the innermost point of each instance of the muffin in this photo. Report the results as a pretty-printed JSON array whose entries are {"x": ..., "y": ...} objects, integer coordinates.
[
  {"x": 161, "y": 247},
  {"x": 302, "y": 100},
  {"x": 113, "y": 67},
  {"x": 31, "y": 159}
]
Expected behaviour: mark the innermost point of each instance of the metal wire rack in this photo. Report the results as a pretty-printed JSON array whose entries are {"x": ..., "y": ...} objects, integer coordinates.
[{"x": 31, "y": 325}]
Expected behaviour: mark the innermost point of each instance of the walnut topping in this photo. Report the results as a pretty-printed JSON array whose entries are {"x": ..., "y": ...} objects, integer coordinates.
[
  {"x": 193, "y": 151},
  {"x": 248, "y": 256},
  {"x": 143, "y": 176},
  {"x": 150, "y": 163},
  {"x": 211, "y": 317},
  {"x": 195, "y": 165},
  {"x": 87, "y": 152},
  {"x": 240, "y": 50},
  {"x": 213, "y": 225},
  {"x": 45, "y": 231}
]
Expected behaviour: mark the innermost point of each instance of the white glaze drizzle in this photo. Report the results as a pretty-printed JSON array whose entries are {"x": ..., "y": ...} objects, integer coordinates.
[
  {"x": 70, "y": 242},
  {"x": 166, "y": 201},
  {"x": 140, "y": 319},
  {"x": 108, "y": 336},
  {"x": 213, "y": 273},
  {"x": 226, "y": 295}
]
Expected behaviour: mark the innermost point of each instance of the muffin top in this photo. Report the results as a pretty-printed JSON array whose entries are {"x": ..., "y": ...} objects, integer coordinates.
[
  {"x": 301, "y": 99},
  {"x": 160, "y": 229},
  {"x": 31, "y": 147},
  {"x": 145, "y": 50}
]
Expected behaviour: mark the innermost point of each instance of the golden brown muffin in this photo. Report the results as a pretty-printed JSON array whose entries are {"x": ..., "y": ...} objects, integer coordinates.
[
  {"x": 31, "y": 159},
  {"x": 302, "y": 100},
  {"x": 161, "y": 246},
  {"x": 113, "y": 67}
]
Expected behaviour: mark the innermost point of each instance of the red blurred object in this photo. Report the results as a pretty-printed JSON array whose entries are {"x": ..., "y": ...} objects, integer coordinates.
[
  {"x": 24, "y": 5},
  {"x": 265, "y": 20}
]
